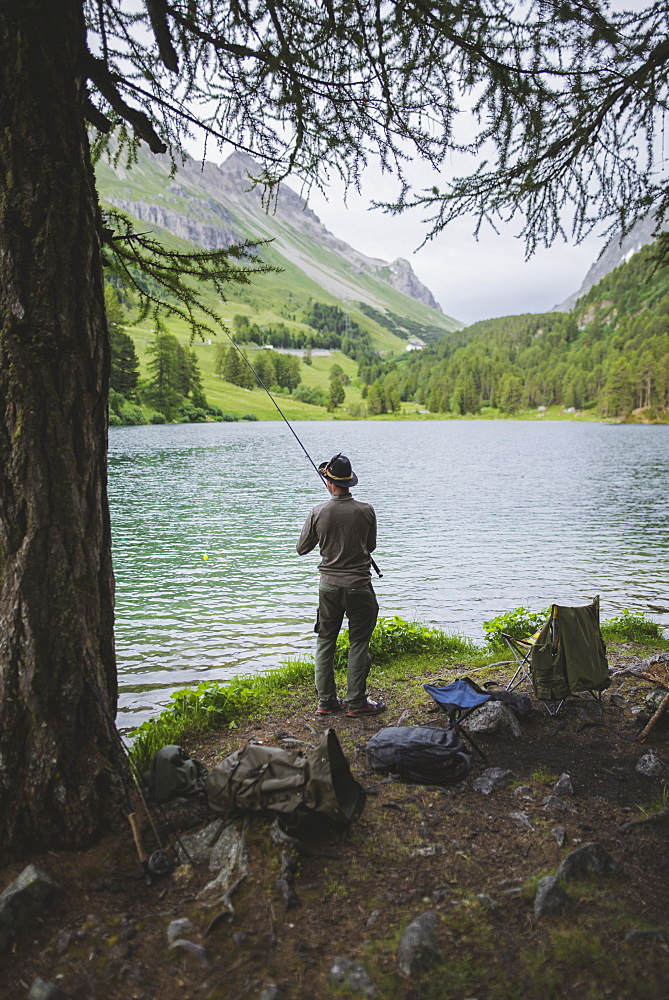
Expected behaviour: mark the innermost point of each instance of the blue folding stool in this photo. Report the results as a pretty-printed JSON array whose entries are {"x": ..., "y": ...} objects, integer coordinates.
[{"x": 458, "y": 700}]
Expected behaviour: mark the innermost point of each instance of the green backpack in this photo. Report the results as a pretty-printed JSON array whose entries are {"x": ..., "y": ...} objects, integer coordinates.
[
  {"x": 173, "y": 774},
  {"x": 317, "y": 785}
]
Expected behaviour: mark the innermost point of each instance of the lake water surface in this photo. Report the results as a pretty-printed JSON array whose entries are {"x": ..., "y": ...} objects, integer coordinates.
[{"x": 475, "y": 518}]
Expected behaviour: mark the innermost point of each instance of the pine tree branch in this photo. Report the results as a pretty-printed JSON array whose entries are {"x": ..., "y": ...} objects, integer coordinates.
[
  {"x": 96, "y": 118},
  {"x": 172, "y": 282},
  {"x": 157, "y": 11},
  {"x": 105, "y": 81}
]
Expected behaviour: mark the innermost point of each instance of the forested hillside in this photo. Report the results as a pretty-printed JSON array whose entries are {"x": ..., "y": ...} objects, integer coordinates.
[{"x": 610, "y": 355}]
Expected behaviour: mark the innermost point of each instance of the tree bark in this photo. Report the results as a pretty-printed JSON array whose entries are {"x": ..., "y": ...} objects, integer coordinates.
[{"x": 57, "y": 668}]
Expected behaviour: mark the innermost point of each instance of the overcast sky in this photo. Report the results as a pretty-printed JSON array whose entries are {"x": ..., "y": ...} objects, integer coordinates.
[{"x": 471, "y": 279}]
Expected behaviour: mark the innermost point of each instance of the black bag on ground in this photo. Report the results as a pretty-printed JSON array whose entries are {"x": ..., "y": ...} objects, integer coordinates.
[
  {"x": 300, "y": 788},
  {"x": 422, "y": 754},
  {"x": 173, "y": 775}
]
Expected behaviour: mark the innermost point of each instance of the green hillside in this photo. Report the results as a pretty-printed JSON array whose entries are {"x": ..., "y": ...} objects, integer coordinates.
[
  {"x": 608, "y": 359},
  {"x": 322, "y": 295}
]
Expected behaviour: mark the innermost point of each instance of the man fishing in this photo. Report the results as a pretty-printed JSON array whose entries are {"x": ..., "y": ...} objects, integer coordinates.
[{"x": 345, "y": 531}]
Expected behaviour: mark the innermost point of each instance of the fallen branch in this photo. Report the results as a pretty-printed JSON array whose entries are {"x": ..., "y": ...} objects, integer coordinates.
[
  {"x": 225, "y": 902},
  {"x": 655, "y": 718},
  {"x": 228, "y": 910},
  {"x": 657, "y": 817}
]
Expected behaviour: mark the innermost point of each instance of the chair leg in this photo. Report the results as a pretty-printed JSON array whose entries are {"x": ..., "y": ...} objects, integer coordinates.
[
  {"x": 467, "y": 738},
  {"x": 513, "y": 683}
]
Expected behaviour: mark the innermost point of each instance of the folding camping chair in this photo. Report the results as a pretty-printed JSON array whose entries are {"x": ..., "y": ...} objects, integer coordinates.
[
  {"x": 521, "y": 650},
  {"x": 566, "y": 656},
  {"x": 458, "y": 700}
]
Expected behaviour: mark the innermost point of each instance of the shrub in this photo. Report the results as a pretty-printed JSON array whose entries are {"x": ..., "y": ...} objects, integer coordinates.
[
  {"x": 518, "y": 623},
  {"x": 131, "y": 415},
  {"x": 631, "y": 625},
  {"x": 157, "y": 418},
  {"x": 249, "y": 416},
  {"x": 192, "y": 414},
  {"x": 211, "y": 705},
  {"x": 395, "y": 637},
  {"x": 114, "y": 419},
  {"x": 311, "y": 395}
]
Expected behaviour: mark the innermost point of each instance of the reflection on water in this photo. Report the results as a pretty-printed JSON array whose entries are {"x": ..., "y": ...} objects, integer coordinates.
[{"x": 475, "y": 518}]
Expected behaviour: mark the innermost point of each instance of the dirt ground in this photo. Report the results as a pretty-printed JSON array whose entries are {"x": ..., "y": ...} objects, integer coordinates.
[{"x": 104, "y": 935}]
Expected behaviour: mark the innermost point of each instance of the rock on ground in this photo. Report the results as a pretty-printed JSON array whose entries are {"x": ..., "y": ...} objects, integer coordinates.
[
  {"x": 23, "y": 902},
  {"x": 418, "y": 948},
  {"x": 552, "y": 803},
  {"x": 550, "y": 898},
  {"x": 560, "y": 835},
  {"x": 41, "y": 990},
  {"x": 352, "y": 976},
  {"x": 492, "y": 779},
  {"x": 563, "y": 786},
  {"x": 494, "y": 717},
  {"x": 650, "y": 765},
  {"x": 591, "y": 859}
]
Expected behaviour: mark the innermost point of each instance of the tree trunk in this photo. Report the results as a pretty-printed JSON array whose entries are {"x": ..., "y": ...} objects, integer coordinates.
[{"x": 57, "y": 669}]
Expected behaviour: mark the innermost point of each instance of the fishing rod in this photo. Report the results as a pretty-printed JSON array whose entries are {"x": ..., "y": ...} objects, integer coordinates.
[
  {"x": 158, "y": 862},
  {"x": 288, "y": 424}
]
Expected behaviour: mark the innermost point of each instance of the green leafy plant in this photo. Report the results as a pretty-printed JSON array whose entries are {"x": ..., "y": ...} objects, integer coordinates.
[
  {"x": 395, "y": 637},
  {"x": 631, "y": 625},
  {"x": 518, "y": 623},
  {"x": 209, "y": 705}
]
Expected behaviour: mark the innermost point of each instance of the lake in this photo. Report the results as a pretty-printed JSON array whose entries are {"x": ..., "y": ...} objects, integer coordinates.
[{"x": 475, "y": 518}]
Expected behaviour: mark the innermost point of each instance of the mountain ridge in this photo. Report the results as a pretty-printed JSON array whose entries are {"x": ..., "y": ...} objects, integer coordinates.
[
  {"x": 617, "y": 251},
  {"x": 213, "y": 205}
]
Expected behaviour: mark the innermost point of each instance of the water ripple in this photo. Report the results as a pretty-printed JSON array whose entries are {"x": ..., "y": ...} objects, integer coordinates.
[{"x": 475, "y": 518}]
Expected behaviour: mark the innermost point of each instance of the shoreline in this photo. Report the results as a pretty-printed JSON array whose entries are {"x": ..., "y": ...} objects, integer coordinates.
[{"x": 299, "y": 909}]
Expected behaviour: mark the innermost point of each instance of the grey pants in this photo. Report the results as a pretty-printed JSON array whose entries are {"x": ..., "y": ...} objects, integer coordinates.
[{"x": 360, "y": 606}]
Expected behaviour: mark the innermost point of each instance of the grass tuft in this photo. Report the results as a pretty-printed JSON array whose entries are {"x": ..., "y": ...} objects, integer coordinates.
[{"x": 214, "y": 705}]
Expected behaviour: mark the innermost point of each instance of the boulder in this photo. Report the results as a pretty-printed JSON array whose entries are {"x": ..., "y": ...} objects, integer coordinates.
[
  {"x": 591, "y": 859},
  {"x": 418, "y": 948},
  {"x": 23, "y": 902},
  {"x": 494, "y": 717}
]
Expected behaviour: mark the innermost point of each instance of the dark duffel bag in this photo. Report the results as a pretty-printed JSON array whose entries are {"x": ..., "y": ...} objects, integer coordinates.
[{"x": 422, "y": 754}]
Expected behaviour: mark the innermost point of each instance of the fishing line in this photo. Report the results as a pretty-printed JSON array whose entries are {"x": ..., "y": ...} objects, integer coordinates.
[{"x": 287, "y": 423}]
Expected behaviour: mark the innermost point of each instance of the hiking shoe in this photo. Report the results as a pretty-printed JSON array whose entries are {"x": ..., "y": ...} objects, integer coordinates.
[
  {"x": 331, "y": 707},
  {"x": 369, "y": 708}
]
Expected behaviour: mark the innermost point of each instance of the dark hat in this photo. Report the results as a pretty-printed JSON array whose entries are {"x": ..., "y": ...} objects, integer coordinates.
[{"x": 338, "y": 470}]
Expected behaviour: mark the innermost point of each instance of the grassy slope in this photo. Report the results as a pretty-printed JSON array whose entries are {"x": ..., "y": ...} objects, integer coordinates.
[{"x": 278, "y": 297}]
